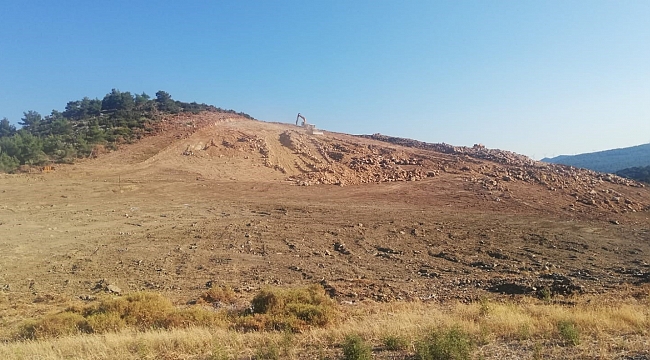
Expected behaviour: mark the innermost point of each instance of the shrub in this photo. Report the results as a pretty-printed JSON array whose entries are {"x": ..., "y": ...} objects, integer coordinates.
[
  {"x": 143, "y": 310},
  {"x": 55, "y": 325},
  {"x": 267, "y": 352},
  {"x": 569, "y": 332},
  {"x": 195, "y": 316},
  {"x": 105, "y": 322},
  {"x": 140, "y": 310},
  {"x": 544, "y": 294},
  {"x": 220, "y": 294},
  {"x": 394, "y": 343},
  {"x": 453, "y": 344},
  {"x": 289, "y": 309},
  {"x": 355, "y": 348}
]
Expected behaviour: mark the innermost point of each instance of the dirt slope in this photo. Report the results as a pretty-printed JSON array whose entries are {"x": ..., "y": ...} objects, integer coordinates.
[
  {"x": 217, "y": 199},
  {"x": 225, "y": 147}
]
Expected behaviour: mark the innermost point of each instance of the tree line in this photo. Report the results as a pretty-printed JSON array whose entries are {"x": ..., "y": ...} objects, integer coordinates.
[
  {"x": 63, "y": 136},
  {"x": 640, "y": 173}
]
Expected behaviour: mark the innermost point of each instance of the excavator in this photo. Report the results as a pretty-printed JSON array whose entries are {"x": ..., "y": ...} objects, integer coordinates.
[
  {"x": 304, "y": 121},
  {"x": 309, "y": 128}
]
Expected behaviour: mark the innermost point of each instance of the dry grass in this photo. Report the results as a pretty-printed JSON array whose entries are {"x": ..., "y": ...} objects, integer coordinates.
[{"x": 496, "y": 329}]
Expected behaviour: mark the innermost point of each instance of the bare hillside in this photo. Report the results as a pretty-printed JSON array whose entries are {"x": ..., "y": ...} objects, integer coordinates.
[{"x": 216, "y": 199}]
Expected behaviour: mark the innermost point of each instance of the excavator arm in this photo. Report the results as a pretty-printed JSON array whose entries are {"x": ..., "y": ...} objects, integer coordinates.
[{"x": 304, "y": 121}]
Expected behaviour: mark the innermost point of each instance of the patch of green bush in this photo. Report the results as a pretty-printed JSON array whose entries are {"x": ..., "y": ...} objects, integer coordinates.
[
  {"x": 395, "y": 343},
  {"x": 355, "y": 348},
  {"x": 569, "y": 332},
  {"x": 289, "y": 310},
  {"x": 452, "y": 344}
]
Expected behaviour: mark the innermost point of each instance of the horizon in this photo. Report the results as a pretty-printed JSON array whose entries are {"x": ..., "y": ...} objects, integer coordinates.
[{"x": 539, "y": 79}]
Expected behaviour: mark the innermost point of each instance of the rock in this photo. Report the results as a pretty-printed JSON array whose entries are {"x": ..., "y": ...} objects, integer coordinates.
[
  {"x": 340, "y": 247},
  {"x": 444, "y": 255},
  {"x": 329, "y": 289},
  {"x": 497, "y": 255},
  {"x": 388, "y": 250},
  {"x": 427, "y": 273},
  {"x": 511, "y": 288},
  {"x": 113, "y": 289}
]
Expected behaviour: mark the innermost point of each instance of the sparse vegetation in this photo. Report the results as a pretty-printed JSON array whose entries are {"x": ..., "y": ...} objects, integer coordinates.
[
  {"x": 455, "y": 327},
  {"x": 272, "y": 309},
  {"x": 86, "y": 124},
  {"x": 142, "y": 311}
]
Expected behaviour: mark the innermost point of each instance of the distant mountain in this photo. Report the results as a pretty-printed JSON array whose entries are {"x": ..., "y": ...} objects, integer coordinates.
[
  {"x": 636, "y": 173},
  {"x": 608, "y": 161}
]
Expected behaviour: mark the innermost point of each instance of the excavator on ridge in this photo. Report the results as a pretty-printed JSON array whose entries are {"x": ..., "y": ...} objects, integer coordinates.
[
  {"x": 304, "y": 121},
  {"x": 310, "y": 128}
]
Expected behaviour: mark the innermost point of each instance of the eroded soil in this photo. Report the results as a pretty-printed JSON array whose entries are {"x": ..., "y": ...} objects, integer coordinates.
[{"x": 216, "y": 200}]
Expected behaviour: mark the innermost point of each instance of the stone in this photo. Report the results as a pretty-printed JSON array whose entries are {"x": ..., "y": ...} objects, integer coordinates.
[{"x": 113, "y": 289}]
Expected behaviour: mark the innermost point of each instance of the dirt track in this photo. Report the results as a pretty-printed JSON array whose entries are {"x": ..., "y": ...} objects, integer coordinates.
[{"x": 216, "y": 200}]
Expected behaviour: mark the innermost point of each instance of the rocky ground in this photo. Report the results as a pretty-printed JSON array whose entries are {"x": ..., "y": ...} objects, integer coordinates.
[{"x": 217, "y": 200}]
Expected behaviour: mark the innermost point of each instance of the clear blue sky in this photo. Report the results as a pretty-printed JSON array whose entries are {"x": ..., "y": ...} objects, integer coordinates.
[{"x": 541, "y": 78}]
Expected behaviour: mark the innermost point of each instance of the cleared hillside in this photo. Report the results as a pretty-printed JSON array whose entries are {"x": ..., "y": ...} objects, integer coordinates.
[{"x": 216, "y": 199}]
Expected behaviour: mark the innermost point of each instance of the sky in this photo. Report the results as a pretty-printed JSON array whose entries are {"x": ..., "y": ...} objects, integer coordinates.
[{"x": 540, "y": 78}]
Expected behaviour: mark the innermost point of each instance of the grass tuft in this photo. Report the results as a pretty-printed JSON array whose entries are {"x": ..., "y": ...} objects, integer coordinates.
[
  {"x": 569, "y": 332},
  {"x": 395, "y": 342},
  {"x": 355, "y": 348}
]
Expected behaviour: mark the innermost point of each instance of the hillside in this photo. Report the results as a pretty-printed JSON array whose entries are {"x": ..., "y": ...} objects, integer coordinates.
[
  {"x": 608, "y": 161},
  {"x": 217, "y": 199},
  {"x": 636, "y": 173}
]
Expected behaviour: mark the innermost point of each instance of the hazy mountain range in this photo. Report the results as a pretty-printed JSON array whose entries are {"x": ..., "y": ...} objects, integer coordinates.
[{"x": 608, "y": 161}]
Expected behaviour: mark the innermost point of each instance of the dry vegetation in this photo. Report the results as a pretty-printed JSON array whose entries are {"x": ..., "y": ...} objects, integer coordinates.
[{"x": 149, "y": 327}]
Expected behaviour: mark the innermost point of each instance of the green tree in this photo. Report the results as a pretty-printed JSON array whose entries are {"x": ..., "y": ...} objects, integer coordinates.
[
  {"x": 6, "y": 128},
  {"x": 31, "y": 121},
  {"x": 142, "y": 100},
  {"x": 8, "y": 163},
  {"x": 24, "y": 146},
  {"x": 164, "y": 102},
  {"x": 117, "y": 100},
  {"x": 82, "y": 109},
  {"x": 95, "y": 134}
]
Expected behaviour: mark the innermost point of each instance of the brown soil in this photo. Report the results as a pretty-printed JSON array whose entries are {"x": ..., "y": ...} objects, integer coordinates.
[{"x": 216, "y": 199}]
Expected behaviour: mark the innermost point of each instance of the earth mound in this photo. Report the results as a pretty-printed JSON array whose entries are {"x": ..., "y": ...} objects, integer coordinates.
[
  {"x": 220, "y": 199},
  {"x": 229, "y": 147}
]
